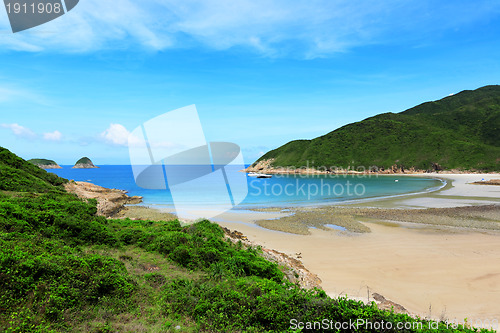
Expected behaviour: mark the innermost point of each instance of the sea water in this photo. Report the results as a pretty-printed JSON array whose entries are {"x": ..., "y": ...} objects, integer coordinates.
[{"x": 280, "y": 190}]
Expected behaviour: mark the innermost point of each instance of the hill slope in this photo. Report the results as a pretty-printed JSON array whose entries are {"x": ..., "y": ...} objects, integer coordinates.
[
  {"x": 457, "y": 132},
  {"x": 18, "y": 175}
]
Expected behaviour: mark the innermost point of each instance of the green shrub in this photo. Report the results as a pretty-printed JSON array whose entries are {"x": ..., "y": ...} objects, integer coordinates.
[
  {"x": 43, "y": 278},
  {"x": 55, "y": 215},
  {"x": 196, "y": 246},
  {"x": 252, "y": 304}
]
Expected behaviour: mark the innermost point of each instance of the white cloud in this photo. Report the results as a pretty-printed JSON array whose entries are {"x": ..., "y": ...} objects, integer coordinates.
[
  {"x": 52, "y": 136},
  {"x": 116, "y": 134},
  {"x": 20, "y": 131},
  {"x": 307, "y": 28},
  {"x": 26, "y": 133}
]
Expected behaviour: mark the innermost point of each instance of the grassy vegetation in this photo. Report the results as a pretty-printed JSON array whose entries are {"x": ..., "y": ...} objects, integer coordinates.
[
  {"x": 460, "y": 131},
  {"x": 18, "y": 175},
  {"x": 62, "y": 269}
]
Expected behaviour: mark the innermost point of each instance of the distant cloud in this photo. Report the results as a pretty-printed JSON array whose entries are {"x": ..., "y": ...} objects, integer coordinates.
[
  {"x": 20, "y": 131},
  {"x": 52, "y": 136},
  {"x": 303, "y": 28},
  {"x": 26, "y": 133},
  {"x": 116, "y": 134}
]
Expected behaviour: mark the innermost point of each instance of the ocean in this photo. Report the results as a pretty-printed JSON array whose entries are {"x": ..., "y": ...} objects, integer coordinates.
[{"x": 280, "y": 190}]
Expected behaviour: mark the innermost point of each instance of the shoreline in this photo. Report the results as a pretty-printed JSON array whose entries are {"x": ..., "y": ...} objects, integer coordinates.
[
  {"x": 266, "y": 166},
  {"x": 433, "y": 270}
]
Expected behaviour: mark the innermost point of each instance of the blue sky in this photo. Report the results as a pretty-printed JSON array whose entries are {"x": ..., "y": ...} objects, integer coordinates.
[{"x": 261, "y": 73}]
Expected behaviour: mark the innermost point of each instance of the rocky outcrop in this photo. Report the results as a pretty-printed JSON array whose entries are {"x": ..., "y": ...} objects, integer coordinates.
[
  {"x": 294, "y": 270},
  {"x": 109, "y": 201},
  {"x": 49, "y": 166},
  {"x": 386, "y": 304},
  {"x": 436, "y": 167},
  {"x": 266, "y": 166},
  {"x": 261, "y": 166},
  {"x": 44, "y": 164},
  {"x": 84, "y": 163}
]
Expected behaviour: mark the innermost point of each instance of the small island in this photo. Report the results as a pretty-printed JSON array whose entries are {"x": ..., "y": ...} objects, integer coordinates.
[
  {"x": 84, "y": 163},
  {"x": 44, "y": 163}
]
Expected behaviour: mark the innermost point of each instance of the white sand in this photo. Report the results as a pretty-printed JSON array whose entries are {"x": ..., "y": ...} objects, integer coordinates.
[
  {"x": 462, "y": 185},
  {"x": 450, "y": 272}
]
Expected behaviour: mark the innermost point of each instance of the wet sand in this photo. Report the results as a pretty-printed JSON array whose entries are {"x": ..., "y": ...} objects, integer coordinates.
[{"x": 442, "y": 262}]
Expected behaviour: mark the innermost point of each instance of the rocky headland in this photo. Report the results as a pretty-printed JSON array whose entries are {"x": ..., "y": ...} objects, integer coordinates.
[
  {"x": 267, "y": 166},
  {"x": 109, "y": 201}
]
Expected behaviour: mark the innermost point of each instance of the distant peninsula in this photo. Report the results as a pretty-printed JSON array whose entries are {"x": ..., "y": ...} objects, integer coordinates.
[
  {"x": 44, "y": 163},
  {"x": 460, "y": 132},
  {"x": 84, "y": 163}
]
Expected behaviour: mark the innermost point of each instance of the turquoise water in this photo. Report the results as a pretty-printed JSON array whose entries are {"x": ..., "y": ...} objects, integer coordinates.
[{"x": 280, "y": 190}]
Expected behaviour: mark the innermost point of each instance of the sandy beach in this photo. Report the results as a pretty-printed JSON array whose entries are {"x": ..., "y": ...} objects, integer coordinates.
[{"x": 416, "y": 250}]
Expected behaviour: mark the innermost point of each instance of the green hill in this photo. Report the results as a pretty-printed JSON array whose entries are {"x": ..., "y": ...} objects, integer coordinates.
[
  {"x": 457, "y": 132},
  {"x": 83, "y": 160},
  {"x": 64, "y": 269},
  {"x": 44, "y": 163},
  {"x": 84, "y": 163}
]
